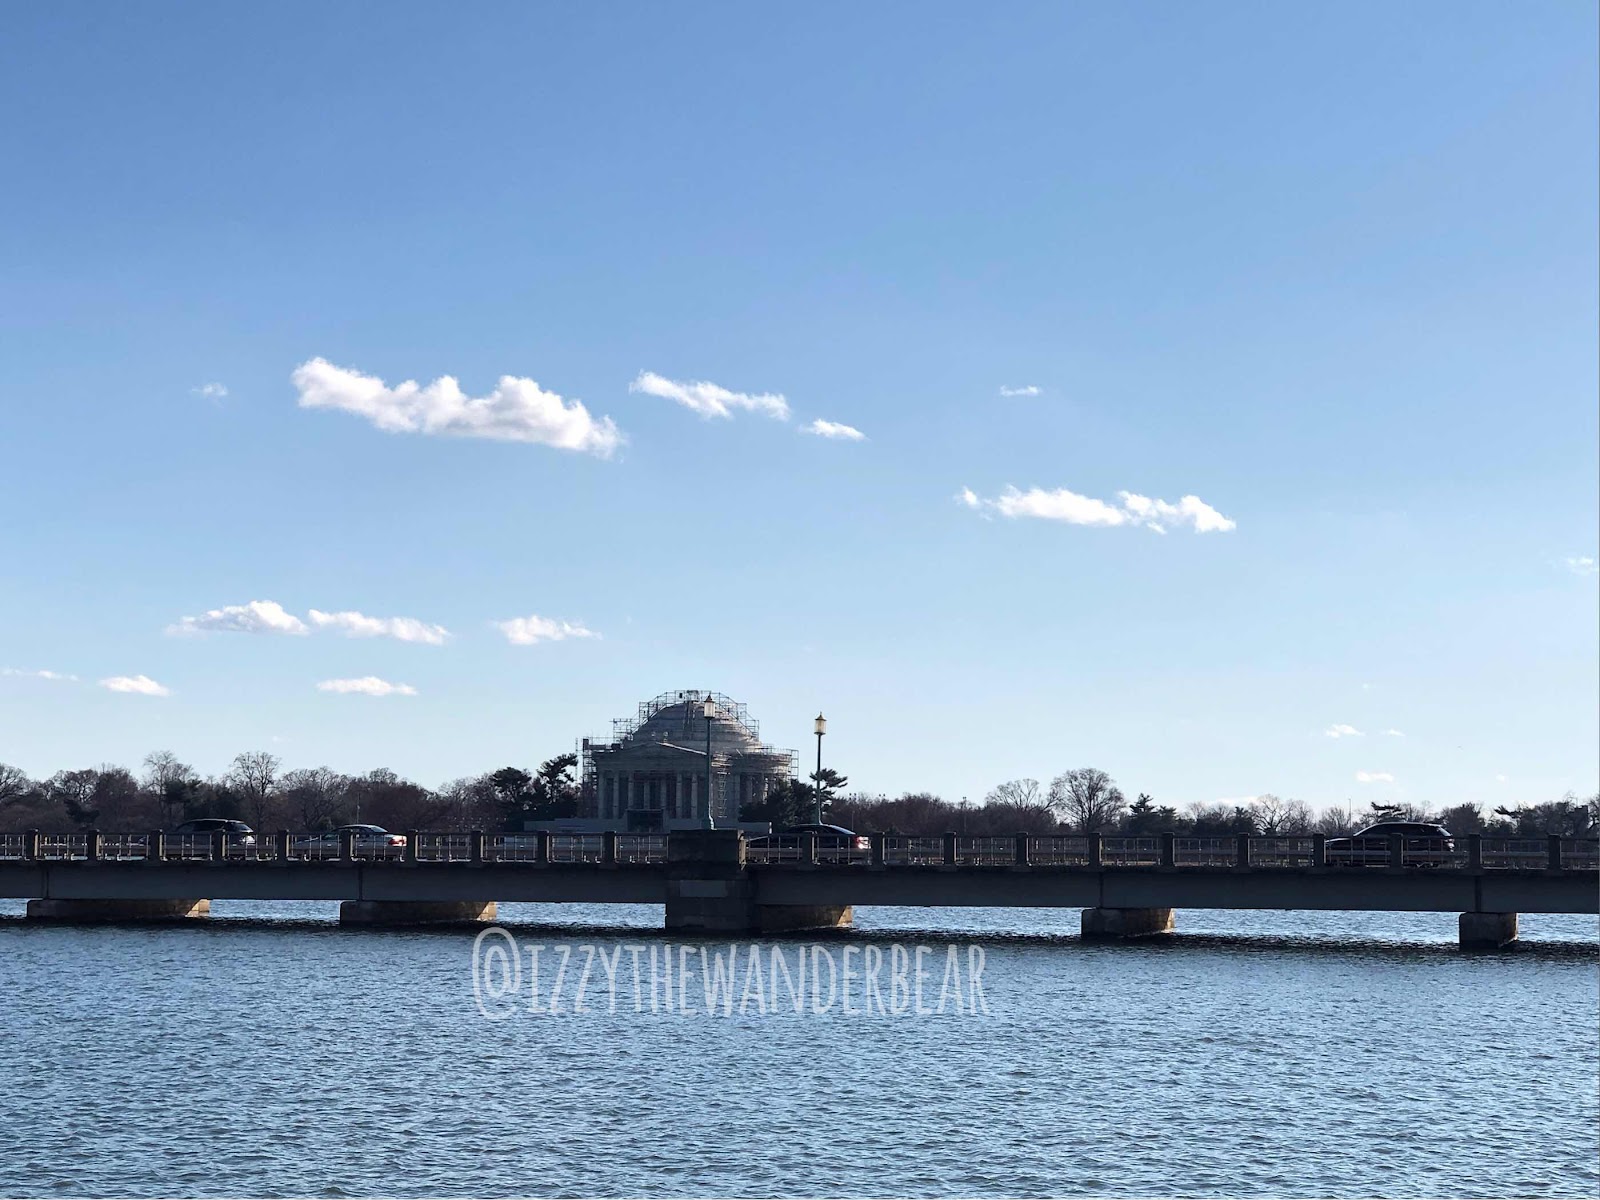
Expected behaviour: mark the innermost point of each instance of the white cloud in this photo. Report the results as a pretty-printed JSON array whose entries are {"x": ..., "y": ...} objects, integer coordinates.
[
  {"x": 141, "y": 685},
  {"x": 367, "y": 685},
  {"x": 359, "y": 625},
  {"x": 832, "y": 429},
  {"x": 1339, "y": 731},
  {"x": 1029, "y": 390},
  {"x": 1374, "y": 777},
  {"x": 708, "y": 399},
  {"x": 1073, "y": 509},
  {"x": 1582, "y": 564},
  {"x": 1237, "y": 801},
  {"x": 530, "y": 630},
  {"x": 259, "y": 616},
  {"x": 1501, "y": 779},
  {"x": 57, "y": 676},
  {"x": 518, "y": 410},
  {"x": 1392, "y": 733},
  {"x": 211, "y": 391}
]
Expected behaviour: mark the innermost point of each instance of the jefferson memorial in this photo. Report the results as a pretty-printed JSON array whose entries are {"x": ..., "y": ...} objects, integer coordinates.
[{"x": 651, "y": 772}]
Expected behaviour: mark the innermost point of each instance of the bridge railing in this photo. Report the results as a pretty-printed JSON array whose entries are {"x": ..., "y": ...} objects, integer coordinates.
[
  {"x": 772, "y": 849},
  {"x": 576, "y": 847},
  {"x": 1058, "y": 850},
  {"x": 1205, "y": 851},
  {"x": 1130, "y": 851},
  {"x": 900, "y": 851},
  {"x": 641, "y": 847},
  {"x": 1580, "y": 854},
  {"x": 444, "y": 847}
]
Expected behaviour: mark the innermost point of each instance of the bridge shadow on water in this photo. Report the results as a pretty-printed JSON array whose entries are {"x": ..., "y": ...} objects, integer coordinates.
[{"x": 1266, "y": 943}]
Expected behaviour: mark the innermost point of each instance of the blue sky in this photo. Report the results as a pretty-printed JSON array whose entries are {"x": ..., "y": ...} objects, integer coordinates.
[{"x": 1330, "y": 270}]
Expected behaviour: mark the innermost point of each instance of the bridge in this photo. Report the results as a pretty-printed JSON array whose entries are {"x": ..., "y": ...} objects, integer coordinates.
[{"x": 722, "y": 881}]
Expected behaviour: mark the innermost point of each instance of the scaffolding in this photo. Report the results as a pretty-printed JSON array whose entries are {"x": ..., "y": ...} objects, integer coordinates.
[{"x": 689, "y": 726}]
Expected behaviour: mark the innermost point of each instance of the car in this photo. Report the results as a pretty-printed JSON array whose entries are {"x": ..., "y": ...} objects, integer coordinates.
[
  {"x": 366, "y": 840},
  {"x": 835, "y": 843},
  {"x": 1424, "y": 845},
  {"x": 835, "y": 837},
  {"x": 194, "y": 839}
]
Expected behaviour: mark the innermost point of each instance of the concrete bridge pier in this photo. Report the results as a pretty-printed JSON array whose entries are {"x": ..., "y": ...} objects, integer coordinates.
[
  {"x": 1112, "y": 923},
  {"x": 114, "y": 911},
  {"x": 1487, "y": 930},
  {"x": 417, "y": 912},
  {"x": 710, "y": 891}
]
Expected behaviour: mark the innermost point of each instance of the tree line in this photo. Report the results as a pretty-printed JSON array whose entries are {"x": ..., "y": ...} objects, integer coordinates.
[{"x": 256, "y": 789}]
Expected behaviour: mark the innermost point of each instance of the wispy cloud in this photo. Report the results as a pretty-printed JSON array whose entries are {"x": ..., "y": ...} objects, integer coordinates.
[
  {"x": 1374, "y": 777},
  {"x": 832, "y": 429},
  {"x": 708, "y": 399},
  {"x": 518, "y": 410},
  {"x": 1501, "y": 779},
  {"x": 1343, "y": 731},
  {"x": 258, "y": 616},
  {"x": 402, "y": 629},
  {"x": 1074, "y": 509},
  {"x": 55, "y": 676},
  {"x": 1392, "y": 733},
  {"x": 367, "y": 685},
  {"x": 1028, "y": 390},
  {"x": 140, "y": 685},
  {"x": 211, "y": 391},
  {"x": 530, "y": 630},
  {"x": 1582, "y": 564}
]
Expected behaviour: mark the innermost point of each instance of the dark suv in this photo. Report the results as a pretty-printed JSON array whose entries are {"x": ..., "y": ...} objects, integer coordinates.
[{"x": 1424, "y": 845}]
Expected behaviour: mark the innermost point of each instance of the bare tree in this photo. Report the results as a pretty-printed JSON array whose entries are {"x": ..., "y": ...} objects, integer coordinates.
[
  {"x": 1336, "y": 821},
  {"x": 14, "y": 784},
  {"x": 1022, "y": 793},
  {"x": 1279, "y": 818},
  {"x": 165, "y": 779},
  {"x": 1088, "y": 799},
  {"x": 314, "y": 796},
  {"x": 255, "y": 777}
]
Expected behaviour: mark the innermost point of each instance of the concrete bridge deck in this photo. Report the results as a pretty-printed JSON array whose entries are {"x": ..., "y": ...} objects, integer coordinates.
[{"x": 720, "y": 880}]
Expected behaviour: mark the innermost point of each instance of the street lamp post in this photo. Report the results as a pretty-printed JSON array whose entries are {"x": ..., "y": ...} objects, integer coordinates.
[
  {"x": 710, "y": 711},
  {"x": 821, "y": 728}
]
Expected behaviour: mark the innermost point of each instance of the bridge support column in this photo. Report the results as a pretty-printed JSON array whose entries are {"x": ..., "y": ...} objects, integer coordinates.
[
  {"x": 710, "y": 891},
  {"x": 417, "y": 912},
  {"x": 111, "y": 911},
  {"x": 1126, "y": 922},
  {"x": 1487, "y": 930}
]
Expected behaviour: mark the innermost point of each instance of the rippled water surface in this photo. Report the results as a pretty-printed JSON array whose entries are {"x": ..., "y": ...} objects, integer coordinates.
[{"x": 268, "y": 1052}]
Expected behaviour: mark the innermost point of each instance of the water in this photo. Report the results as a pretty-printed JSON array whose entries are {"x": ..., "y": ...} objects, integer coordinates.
[{"x": 269, "y": 1053}]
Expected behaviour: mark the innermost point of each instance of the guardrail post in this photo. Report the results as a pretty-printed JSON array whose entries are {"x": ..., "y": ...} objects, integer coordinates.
[
  {"x": 1096, "y": 850},
  {"x": 1241, "y": 854},
  {"x": 1022, "y": 851},
  {"x": 347, "y": 845},
  {"x": 280, "y": 845},
  {"x": 808, "y": 849},
  {"x": 30, "y": 845},
  {"x": 1169, "y": 849},
  {"x": 1474, "y": 851},
  {"x": 91, "y": 845},
  {"x": 1319, "y": 849},
  {"x": 1397, "y": 852},
  {"x": 608, "y": 847},
  {"x": 949, "y": 849},
  {"x": 877, "y": 849},
  {"x": 219, "y": 845},
  {"x": 413, "y": 836},
  {"x": 155, "y": 846},
  {"x": 541, "y": 846},
  {"x": 475, "y": 846},
  {"x": 1554, "y": 860}
]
